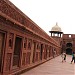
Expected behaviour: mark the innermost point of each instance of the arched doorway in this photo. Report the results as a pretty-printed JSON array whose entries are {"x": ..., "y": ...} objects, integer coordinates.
[
  {"x": 69, "y": 51},
  {"x": 69, "y": 48}
]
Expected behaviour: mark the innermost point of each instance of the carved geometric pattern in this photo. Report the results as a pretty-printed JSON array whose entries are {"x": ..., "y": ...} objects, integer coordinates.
[
  {"x": 5, "y": 8},
  {"x": 28, "y": 58},
  {"x": 36, "y": 56},
  {"x": 29, "y": 44},
  {"x": 11, "y": 40},
  {"x": 8, "y": 61},
  {"x": 38, "y": 46},
  {"x": 24, "y": 59},
  {"x": 25, "y": 43}
]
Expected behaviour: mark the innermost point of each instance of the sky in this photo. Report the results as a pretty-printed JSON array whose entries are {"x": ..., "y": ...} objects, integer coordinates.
[{"x": 45, "y": 13}]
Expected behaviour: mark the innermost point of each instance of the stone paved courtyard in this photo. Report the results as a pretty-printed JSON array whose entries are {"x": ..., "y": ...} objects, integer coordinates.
[{"x": 54, "y": 67}]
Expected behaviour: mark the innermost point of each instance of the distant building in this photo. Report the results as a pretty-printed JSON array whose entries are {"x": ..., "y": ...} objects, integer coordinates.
[{"x": 66, "y": 41}]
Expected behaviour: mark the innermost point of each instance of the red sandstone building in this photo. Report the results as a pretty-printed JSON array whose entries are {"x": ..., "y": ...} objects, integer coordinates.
[
  {"x": 66, "y": 41},
  {"x": 23, "y": 44}
]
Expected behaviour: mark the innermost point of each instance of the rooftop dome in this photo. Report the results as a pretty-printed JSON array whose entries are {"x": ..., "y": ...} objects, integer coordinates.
[{"x": 56, "y": 28}]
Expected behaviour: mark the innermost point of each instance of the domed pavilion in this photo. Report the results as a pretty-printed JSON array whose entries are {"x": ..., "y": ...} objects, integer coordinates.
[{"x": 56, "y": 31}]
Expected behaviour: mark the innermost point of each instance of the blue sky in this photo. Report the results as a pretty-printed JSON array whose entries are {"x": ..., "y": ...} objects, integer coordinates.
[{"x": 45, "y": 13}]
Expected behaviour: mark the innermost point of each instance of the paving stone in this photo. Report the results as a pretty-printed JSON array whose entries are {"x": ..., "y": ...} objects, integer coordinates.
[{"x": 54, "y": 67}]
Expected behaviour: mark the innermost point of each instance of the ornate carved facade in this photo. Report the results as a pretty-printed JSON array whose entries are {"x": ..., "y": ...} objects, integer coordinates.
[
  {"x": 68, "y": 43},
  {"x": 23, "y": 44}
]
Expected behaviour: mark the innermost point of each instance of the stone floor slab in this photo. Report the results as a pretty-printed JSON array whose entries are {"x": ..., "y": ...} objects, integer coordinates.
[{"x": 54, "y": 67}]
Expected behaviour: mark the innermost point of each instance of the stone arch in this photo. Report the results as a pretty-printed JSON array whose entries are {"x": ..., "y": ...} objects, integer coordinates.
[
  {"x": 69, "y": 45},
  {"x": 69, "y": 48}
]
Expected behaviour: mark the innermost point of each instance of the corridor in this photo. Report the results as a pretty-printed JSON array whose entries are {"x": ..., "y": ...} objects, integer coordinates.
[{"x": 54, "y": 67}]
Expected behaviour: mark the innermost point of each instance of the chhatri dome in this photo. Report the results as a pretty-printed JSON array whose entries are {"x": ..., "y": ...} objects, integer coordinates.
[
  {"x": 56, "y": 28},
  {"x": 56, "y": 31}
]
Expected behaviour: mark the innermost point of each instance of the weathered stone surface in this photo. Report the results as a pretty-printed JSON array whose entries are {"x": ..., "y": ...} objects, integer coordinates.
[{"x": 54, "y": 67}]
